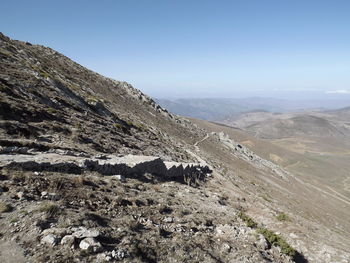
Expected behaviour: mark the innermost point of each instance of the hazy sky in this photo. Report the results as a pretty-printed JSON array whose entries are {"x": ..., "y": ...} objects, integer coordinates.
[{"x": 197, "y": 48}]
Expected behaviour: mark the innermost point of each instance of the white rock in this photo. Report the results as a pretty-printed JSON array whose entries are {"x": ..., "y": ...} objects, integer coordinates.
[
  {"x": 68, "y": 240},
  {"x": 119, "y": 254},
  {"x": 262, "y": 243},
  {"x": 118, "y": 177},
  {"x": 226, "y": 247},
  {"x": 90, "y": 244},
  {"x": 21, "y": 195},
  {"x": 50, "y": 240},
  {"x": 292, "y": 235},
  {"x": 168, "y": 220},
  {"x": 82, "y": 232}
]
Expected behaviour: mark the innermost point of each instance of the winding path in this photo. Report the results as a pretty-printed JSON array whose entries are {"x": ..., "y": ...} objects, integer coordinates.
[{"x": 202, "y": 140}]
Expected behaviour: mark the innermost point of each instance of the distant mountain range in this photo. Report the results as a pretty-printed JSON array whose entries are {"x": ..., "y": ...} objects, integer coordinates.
[{"x": 214, "y": 109}]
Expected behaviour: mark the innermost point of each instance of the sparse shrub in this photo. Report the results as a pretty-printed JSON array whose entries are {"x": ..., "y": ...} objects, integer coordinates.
[
  {"x": 141, "y": 127},
  {"x": 282, "y": 217},
  {"x": 4, "y": 52},
  {"x": 18, "y": 177},
  {"x": 248, "y": 220},
  {"x": 266, "y": 197},
  {"x": 118, "y": 125},
  {"x": 51, "y": 110},
  {"x": 49, "y": 208},
  {"x": 129, "y": 123},
  {"x": 78, "y": 180},
  {"x": 44, "y": 74},
  {"x": 277, "y": 240},
  {"x": 24, "y": 212},
  {"x": 4, "y": 207},
  {"x": 92, "y": 99},
  {"x": 14, "y": 220}
]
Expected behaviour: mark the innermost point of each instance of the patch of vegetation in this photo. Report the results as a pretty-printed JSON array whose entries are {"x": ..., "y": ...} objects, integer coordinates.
[
  {"x": 5, "y": 207},
  {"x": 18, "y": 177},
  {"x": 72, "y": 87},
  {"x": 31, "y": 90},
  {"x": 130, "y": 123},
  {"x": 141, "y": 127},
  {"x": 277, "y": 240},
  {"x": 118, "y": 125},
  {"x": 49, "y": 208},
  {"x": 14, "y": 220},
  {"x": 51, "y": 110},
  {"x": 266, "y": 197},
  {"x": 272, "y": 238},
  {"x": 247, "y": 219},
  {"x": 44, "y": 74},
  {"x": 92, "y": 99},
  {"x": 4, "y": 52},
  {"x": 24, "y": 212},
  {"x": 3, "y": 87},
  {"x": 282, "y": 217}
]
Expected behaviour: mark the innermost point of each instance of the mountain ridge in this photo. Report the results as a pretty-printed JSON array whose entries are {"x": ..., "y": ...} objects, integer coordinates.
[{"x": 51, "y": 107}]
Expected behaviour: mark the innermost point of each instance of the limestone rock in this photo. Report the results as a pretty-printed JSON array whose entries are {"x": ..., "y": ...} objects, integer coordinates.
[
  {"x": 68, "y": 240},
  {"x": 262, "y": 243},
  {"x": 90, "y": 244},
  {"x": 50, "y": 239},
  {"x": 83, "y": 232}
]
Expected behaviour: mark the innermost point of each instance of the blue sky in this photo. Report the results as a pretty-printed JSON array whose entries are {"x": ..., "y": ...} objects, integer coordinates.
[{"x": 198, "y": 48}]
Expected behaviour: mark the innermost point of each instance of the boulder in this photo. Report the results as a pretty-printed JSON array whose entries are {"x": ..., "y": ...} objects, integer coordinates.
[
  {"x": 261, "y": 243},
  {"x": 50, "y": 239},
  {"x": 83, "y": 232},
  {"x": 90, "y": 244},
  {"x": 68, "y": 240}
]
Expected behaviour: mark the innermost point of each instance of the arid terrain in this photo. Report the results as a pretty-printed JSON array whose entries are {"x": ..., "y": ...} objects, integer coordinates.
[
  {"x": 320, "y": 139},
  {"x": 93, "y": 170}
]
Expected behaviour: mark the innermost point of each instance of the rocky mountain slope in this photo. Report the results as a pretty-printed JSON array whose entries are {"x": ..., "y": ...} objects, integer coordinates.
[{"x": 93, "y": 170}]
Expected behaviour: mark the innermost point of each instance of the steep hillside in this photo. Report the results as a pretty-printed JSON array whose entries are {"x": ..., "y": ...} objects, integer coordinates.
[{"x": 93, "y": 170}]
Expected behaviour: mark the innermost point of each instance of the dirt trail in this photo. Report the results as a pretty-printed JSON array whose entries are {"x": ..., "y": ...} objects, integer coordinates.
[{"x": 202, "y": 140}]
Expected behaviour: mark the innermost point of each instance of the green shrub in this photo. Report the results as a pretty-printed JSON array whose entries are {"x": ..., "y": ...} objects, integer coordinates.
[
  {"x": 282, "y": 217},
  {"x": 92, "y": 99},
  {"x": 266, "y": 197},
  {"x": 277, "y": 240},
  {"x": 14, "y": 220},
  {"x": 118, "y": 125},
  {"x": 248, "y": 220},
  {"x": 129, "y": 123},
  {"x": 51, "y": 110},
  {"x": 44, "y": 74}
]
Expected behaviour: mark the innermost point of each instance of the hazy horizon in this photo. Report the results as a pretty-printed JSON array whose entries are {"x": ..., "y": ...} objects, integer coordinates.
[{"x": 297, "y": 49}]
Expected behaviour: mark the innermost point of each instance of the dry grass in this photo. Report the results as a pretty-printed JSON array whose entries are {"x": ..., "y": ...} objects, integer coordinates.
[
  {"x": 4, "y": 207},
  {"x": 50, "y": 208}
]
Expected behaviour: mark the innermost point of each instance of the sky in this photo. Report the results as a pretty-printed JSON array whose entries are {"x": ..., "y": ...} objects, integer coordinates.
[{"x": 198, "y": 48}]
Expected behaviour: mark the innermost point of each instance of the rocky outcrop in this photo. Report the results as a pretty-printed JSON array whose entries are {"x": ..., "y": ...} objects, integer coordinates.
[
  {"x": 128, "y": 165},
  {"x": 244, "y": 153}
]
